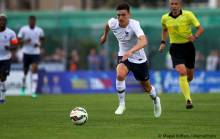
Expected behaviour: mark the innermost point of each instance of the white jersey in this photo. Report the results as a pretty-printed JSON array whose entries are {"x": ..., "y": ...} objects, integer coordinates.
[
  {"x": 34, "y": 35},
  {"x": 5, "y": 40},
  {"x": 127, "y": 38}
]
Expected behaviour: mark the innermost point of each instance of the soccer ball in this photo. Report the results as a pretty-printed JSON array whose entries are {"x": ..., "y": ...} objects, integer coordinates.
[{"x": 79, "y": 116}]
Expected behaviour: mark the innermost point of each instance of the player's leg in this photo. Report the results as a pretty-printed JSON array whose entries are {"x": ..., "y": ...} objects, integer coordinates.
[
  {"x": 4, "y": 72},
  {"x": 179, "y": 59},
  {"x": 190, "y": 65},
  {"x": 190, "y": 74},
  {"x": 184, "y": 85},
  {"x": 34, "y": 79},
  {"x": 122, "y": 72},
  {"x": 2, "y": 92},
  {"x": 141, "y": 74},
  {"x": 153, "y": 95},
  {"x": 26, "y": 65},
  {"x": 34, "y": 74}
]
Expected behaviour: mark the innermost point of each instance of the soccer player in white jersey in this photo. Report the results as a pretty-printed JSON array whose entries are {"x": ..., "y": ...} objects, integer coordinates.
[
  {"x": 8, "y": 41},
  {"x": 31, "y": 37},
  {"x": 131, "y": 56}
]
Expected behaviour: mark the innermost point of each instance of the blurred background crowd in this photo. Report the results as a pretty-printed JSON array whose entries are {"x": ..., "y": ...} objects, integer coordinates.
[{"x": 73, "y": 27}]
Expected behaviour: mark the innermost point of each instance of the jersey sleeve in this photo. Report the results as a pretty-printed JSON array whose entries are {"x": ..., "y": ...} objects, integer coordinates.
[
  {"x": 194, "y": 21},
  {"x": 163, "y": 22},
  {"x": 111, "y": 22},
  {"x": 41, "y": 33},
  {"x": 21, "y": 33},
  {"x": 13, "y": 36},
  {"x": 137, "y": 29}
]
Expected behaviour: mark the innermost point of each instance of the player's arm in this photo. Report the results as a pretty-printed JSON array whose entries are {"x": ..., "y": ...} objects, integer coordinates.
[
  {"x": 164, "y": 34},
  {"x": 141, "y": 43},
  {"x": 41, "y": 39},
  {"x": 195, "y": 23},
  {"x": 21, "y": 39},
  {"x": 13, "y": 43},
  {"x": 105, "y": 34},
  {"x": 198, "y": 33}
]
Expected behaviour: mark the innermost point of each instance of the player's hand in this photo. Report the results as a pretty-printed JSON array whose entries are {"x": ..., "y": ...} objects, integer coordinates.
[
  {"x": 192, "y": 38},
  {"x": 102, "y": 39},
  {"x": 162, "y": 46},
  {"x": 7, "y": 47},
  {"x": 37, "y": 45},
  {"x": 27, "y": 41},
  {"x": 126, "y": 55}
]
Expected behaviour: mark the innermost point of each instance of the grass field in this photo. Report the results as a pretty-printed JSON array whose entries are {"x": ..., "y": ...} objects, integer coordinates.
[{"x": 47, "y": 117}]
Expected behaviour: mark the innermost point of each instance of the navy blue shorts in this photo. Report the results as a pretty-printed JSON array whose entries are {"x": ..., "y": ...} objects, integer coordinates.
[
  {"x": 29, "y": 59},
  {"x": 140, "y": 71},
  {"x": 5, "y": 66}
]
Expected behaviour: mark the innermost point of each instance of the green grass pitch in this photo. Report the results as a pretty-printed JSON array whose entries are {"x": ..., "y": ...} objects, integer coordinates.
[{"x": 47, "y": 117}]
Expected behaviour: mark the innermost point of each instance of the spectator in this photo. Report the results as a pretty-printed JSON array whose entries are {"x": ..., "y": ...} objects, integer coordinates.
[
  {"x": 200, "y": 61},
  {"x": 212, "y": 61},
  {"x": 58, "y": 56},
  {"x": 74, "y": 60},
  {"x": 103, "y": 60},
  {"x": 93, "y": 60}
]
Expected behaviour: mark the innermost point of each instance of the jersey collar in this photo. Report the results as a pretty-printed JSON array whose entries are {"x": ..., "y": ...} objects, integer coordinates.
[{"x": 170, "y": 14}]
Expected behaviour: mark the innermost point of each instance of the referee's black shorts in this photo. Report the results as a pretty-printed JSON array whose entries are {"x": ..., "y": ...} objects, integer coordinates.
[{"x": 183, "y": 54}]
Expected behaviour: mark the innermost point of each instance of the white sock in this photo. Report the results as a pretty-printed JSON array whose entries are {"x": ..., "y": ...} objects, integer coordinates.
[
  {"x": 24, "y": 81},
  {"x": 2, "y": 90},
  {"x": 120, "y": 86},
  {"x": 153, "y": 93},
  {"x": 2, "y": 86},
  {"x": 34, "y": 81},
  {"x": 1, "y": 97}
]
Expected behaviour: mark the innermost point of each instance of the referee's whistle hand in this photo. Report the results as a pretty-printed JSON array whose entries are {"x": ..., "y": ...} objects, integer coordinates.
[{"x": 162, "y": 46}]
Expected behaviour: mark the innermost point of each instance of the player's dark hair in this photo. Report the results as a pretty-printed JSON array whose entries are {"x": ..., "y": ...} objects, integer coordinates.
[
  {"x": 32, "y": 17},
  {"x": 123, "y": 6}
]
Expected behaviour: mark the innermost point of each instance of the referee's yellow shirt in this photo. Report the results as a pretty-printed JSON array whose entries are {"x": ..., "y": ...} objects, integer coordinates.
[{"x": 180, "y": 27}]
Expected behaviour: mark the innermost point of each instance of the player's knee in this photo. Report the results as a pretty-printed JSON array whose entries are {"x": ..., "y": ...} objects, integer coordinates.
[
  {"x": 181, "y": 71},
  {"x": 121, "y": 76},
  {"x": 147, "y": 88}
]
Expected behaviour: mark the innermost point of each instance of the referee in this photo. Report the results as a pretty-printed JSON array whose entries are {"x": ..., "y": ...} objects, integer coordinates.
[{"x": 178, "y": 25}]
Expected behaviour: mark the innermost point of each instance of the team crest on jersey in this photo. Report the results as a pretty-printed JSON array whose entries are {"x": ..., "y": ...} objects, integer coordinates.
[
  {"x": 126, "y": 33},
  {"x": 3, "y": 37}
]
